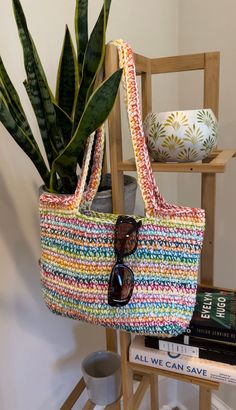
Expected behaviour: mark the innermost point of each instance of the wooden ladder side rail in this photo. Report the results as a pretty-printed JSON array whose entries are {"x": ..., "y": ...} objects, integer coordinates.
[
  {"x": 208, "y": 182},
  {"x": 146, "y": 84},
  {"x": 116, "y": 155},
  {"x": 117, "y": 178}
]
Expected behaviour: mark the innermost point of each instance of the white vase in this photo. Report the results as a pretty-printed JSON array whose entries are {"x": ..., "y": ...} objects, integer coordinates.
[{"x": 181, "y": 136}]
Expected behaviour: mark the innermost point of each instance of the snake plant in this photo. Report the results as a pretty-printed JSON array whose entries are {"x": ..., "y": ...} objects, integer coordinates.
[{"x": 80, "y": 105}]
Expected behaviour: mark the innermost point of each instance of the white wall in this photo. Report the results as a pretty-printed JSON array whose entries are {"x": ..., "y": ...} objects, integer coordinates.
[
  {"x": 41, "y": 353},
  {"x": 210, "y": 26},
  {"x": 151, "y": 31}
]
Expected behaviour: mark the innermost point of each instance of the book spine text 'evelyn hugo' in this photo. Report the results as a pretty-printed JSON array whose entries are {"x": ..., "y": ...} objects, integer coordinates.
[
  {"x": 192, "y": 366},
  {"x": 214, "y": 314}
]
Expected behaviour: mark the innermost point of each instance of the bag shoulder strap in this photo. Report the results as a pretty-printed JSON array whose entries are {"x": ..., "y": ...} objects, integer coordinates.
[
  {"x": 76, "y": 199},
  {"x": 153, "y": 200},
  {"x": 83, "y": 197},
  {"x": 71, "y": 203},
  {"x": 96, "y": 170}
]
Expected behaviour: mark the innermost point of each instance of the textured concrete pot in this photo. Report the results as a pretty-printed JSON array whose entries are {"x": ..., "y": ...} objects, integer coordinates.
[
  {"x": 103, "y": 199},
  {"x": 102, "y": 375}
]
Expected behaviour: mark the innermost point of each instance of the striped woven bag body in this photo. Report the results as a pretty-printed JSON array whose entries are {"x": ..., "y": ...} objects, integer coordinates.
[{"x": 78, "y": 244}]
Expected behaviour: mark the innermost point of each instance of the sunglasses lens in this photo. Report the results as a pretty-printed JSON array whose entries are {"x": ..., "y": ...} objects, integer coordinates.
[
  {"x": 126, "y": 238},
  {"x": 120, "y": 285}
]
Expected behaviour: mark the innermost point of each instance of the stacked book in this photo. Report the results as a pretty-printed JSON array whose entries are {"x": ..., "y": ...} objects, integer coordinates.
[
  {"x": 208, "y": 347},
  {"x": 212, "y": 331}
]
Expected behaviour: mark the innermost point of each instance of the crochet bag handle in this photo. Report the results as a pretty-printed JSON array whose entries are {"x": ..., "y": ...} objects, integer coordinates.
[
  {"x": 96, "y": 171},
  {"x": 82, "y": 197},
  {"x": 152, "y": 198}
]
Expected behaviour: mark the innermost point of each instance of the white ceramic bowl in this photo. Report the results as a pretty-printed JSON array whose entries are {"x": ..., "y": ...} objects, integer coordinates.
[{"x": 181, "y": 136}]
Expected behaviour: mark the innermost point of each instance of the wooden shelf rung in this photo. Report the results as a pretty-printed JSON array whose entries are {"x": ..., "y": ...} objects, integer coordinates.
[
  {"x": 216, "y": 163},
  {"x": 188, "y": 167},
  {"x": 175, "y": 64},
  {"x": 223, "y": 157},
  {"x": 141, "y": 63}
]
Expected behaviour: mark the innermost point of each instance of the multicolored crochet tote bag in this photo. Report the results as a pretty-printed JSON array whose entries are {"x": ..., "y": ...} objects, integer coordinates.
[{"x": 84, "y": 251}]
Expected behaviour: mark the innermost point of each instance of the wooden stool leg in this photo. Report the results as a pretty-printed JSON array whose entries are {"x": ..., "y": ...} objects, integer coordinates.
[
  {"x": 140, "y": 392},
  {"x": 89, "y": 406},
  {"x": 111, "y": 341},
  {"x": 154, "y": 392},
  {"x": 127, "y": 373},
  {"x": 204, "y": 398},
  {"x": 74, "y": 395}
]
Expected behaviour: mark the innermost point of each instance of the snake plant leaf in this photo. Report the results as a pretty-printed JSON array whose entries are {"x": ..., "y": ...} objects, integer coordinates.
[
  {"x": 50, "y": 116},
  {"x": 67, "y": 76},
  {"x": 81, "y": 31},
  {"x": 100, "y": 71},
  {"x": 107, "y": 5},
  {"x": 97, "y": 110},
  {"x": 40, "y": 96},
  {"x": 17, "y": 115},
  {"x": 64, "y": 122},
  {"x": 93, "y": 58},
  {"x": 5, "y": 79},
  {"x": 36, "y": 103},
  {"x": 40, "y": 67},
  {"x": 13, "y": 101},
  {"x": 23, "y": 140}
]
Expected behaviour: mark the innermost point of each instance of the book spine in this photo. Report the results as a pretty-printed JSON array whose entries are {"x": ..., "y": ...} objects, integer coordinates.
[
  {"x": 218, "y": 355},
  {"x": 178, "y": 348},
  {"x": 183, "y": 364},
  {"x": 212, "y": 333},
  {"x": 214, "y": 314}
]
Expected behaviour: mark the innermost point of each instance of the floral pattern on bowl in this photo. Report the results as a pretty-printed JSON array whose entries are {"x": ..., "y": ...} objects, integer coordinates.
[{"x": 181, "y": 136}]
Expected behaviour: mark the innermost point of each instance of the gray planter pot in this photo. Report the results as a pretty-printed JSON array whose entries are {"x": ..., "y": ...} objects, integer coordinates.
[{"x": 103, "y": 199}]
